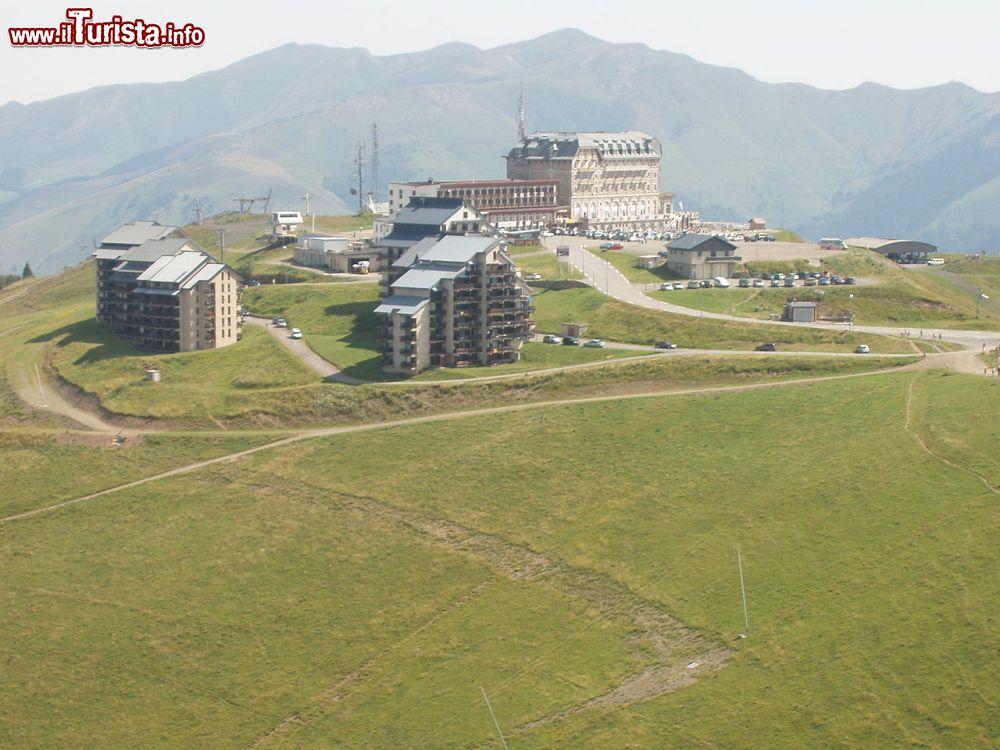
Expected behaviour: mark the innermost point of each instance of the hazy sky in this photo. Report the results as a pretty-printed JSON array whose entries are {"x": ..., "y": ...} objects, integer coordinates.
[{"x": 901, "y": 43}]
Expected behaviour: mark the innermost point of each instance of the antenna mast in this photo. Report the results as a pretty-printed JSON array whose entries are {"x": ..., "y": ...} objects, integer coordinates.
[
  {"x": 521, "y": 130},
  {"x": 373, "y": 187},
  {"x": 359, "y": 162}
]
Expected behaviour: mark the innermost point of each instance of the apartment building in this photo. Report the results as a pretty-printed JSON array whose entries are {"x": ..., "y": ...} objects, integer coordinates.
[
  {"x": 424, "y": 217},
  {"x": 159, "y": 287},
  {"x": 702, "y": 256},
  {"x": 453, "y": 301}
]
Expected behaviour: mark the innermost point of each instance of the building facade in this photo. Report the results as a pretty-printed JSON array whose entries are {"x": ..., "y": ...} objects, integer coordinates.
[
  {"x": 507, "y": 204},
  {"x": 424, "y": 217},
  {"x": 158, "y": 287},
  {"x": 702, "y": 256},
  {"x": 336, "y": 254},
  {"x": 607, "y": 180},
  {"x": 453, "y": 302}
]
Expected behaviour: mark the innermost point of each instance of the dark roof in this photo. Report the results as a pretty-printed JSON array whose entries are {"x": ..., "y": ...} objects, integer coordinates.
[
  {"x": 427, "y": 211},
  {"x": 609, "y": 145},
  {"x": 694, "y": 241}
]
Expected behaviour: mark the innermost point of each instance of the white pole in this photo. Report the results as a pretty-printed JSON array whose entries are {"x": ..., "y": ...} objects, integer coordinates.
[
  {"x": 493, "y": 716},
  {"x": 743, "y": 591},
  {"x": 41, "y": 392}
]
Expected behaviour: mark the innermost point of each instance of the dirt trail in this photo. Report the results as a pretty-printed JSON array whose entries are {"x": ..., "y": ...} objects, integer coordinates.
[
  {"x": 31, "y": 385},
  {"x": 677, "y": 655}
]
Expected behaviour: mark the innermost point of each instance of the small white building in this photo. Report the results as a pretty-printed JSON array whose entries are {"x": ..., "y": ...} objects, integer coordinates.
[
  {"x": 335, "y": 254},
  {"x": 285, "y": 223}
]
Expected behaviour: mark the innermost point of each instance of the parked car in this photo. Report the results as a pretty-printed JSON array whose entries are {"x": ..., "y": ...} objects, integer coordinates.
[
  {"x": 824, "y": 281},
  {"x": 744, "y": 283},
  {"x": 836, "y": 279},
  {"x": 758, "y": 284},
  {"x": 548, "y": 338},
  {"x": 693, "y": 284},
  {"x": 767, "y": 276},
  {"x": 810, "y": 281},
  {"x": 666, "y": 287},
  {"x": 789, "y": 281},
  {"x": 720, "y": 282},
  {"x": 533, "y": 277},
  {"x": 571, "y": 341},
  {"x": 850, "y": 280},
  {"x": 678, "y": 285},
  {"x": 768, "y": 347},
  {"x": 863, "y": 349},
  {"x": 666, "y": 345},
  {"x": 595, "y": 344},
  {"x": 295, "y": 333},
  {"x": 775, "y": 283},
  {"x": 706, "y": 284},
  {"x": 617, "y": 246},
  {"x": 605, "y": 246},
  {"x": 280, "y": 323}
]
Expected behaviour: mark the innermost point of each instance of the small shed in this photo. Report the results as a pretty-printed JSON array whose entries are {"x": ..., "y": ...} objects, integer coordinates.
[
  {"x": 649, "y": 262},
  {"x": 574, "y": 329},
  {"x": 800, "y": 312},
  {"x": 757, "y": 223}
]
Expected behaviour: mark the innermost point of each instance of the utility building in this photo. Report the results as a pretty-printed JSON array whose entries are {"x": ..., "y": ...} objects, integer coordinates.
[{"x": 702, "y": 256}]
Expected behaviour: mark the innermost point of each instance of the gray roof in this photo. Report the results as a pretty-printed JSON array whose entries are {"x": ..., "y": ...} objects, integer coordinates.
[
  {"x": 886, "y": 246},
  {"x": 694, "y": 241},
  {"x": 173, "y": 269},
  {"x": 137, "y": 233},
  {"x": 458, "y": 248},
  {"x": 410, "y": 255},
  {"x": 426, "y": 212},
  {"x": 206, "y": 273},
  {"x": 425, "y": 278},
  {"x": 399, "y": 303},
  {"x": 609, "y": 145},
  {"x": 150, "y": 250}
]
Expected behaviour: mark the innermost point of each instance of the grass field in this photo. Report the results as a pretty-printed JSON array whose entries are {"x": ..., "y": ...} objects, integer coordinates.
[
  {"x": 336, "y": 593},
  {"x": 616, "y": 321},
  {"x": 628, "y": 264}
]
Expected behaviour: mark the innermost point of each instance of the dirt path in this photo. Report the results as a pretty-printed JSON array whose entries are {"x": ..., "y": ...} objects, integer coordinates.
[
  {"x": 300, "y": 349},
  {"x": 31, "y": 385},
  {"x": 907, "y": 427},
  {"x": 678, "y": 655},
  {"x": 323, "y": 432}
]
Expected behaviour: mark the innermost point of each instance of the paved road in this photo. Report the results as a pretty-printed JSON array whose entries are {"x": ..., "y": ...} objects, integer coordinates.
[
  {"x": 608, "y": 279},
  {"x": 300, "y": 349}
]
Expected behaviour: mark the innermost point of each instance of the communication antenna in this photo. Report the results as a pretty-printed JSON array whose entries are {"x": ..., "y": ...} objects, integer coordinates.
[
  {"x": 222, "y": 244},
  {"x": 197, "y": 212},
  {"x": 306, "y": 198},
  {"x": 521, "y": 130},
  {"x": 359, "y": 164},
  {"x": 373, "y": 187}
]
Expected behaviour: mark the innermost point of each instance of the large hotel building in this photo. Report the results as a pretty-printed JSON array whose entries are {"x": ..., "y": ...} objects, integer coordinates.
[{"x": 608, "y": 180}]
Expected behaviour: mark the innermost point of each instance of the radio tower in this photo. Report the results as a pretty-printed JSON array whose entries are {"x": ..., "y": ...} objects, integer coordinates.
[
  {"x": 373, "y": 187},
  {"x": 359, "y": 162},
  {"x": 521, "y": 134}
]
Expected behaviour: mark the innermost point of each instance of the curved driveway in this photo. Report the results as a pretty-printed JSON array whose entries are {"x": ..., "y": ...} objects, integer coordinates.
[{"x": 603, "y": 276}]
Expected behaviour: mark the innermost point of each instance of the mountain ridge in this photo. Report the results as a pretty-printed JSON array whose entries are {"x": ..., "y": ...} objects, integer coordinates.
[{"x": 821, "y": 161}]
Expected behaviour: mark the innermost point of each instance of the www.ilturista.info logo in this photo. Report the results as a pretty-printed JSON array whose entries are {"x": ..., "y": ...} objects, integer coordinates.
[{"x": 81, "y": 31}]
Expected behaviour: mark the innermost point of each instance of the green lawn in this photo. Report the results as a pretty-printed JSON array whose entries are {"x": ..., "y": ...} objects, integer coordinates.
[
  {"x": 217, "y": 383},
  {"x": 337, "y": 321},
  {"x": 628, "y": 264},
  {"x": 338, "y": 594},
  {"x": 617, "y": 321}
]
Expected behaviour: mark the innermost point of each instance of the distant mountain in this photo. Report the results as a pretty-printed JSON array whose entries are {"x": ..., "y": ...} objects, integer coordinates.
[{"x": 868, "y": 161}]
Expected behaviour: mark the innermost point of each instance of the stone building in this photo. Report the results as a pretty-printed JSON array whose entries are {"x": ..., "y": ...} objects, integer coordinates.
[{"x": 608, "y": 180}]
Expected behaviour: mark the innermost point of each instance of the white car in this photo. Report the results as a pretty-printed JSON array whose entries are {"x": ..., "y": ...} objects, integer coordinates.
[
  {"x": 533, "y": 277},
  {"x": 678, "y": 285},
  {"x": 863, "y": 349},
  {"x": 548, "y": 338},
  {"x": 295, "y": 333},
  {"x": 666, "y": 287},
  {"x": 595, "y": 343}
]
